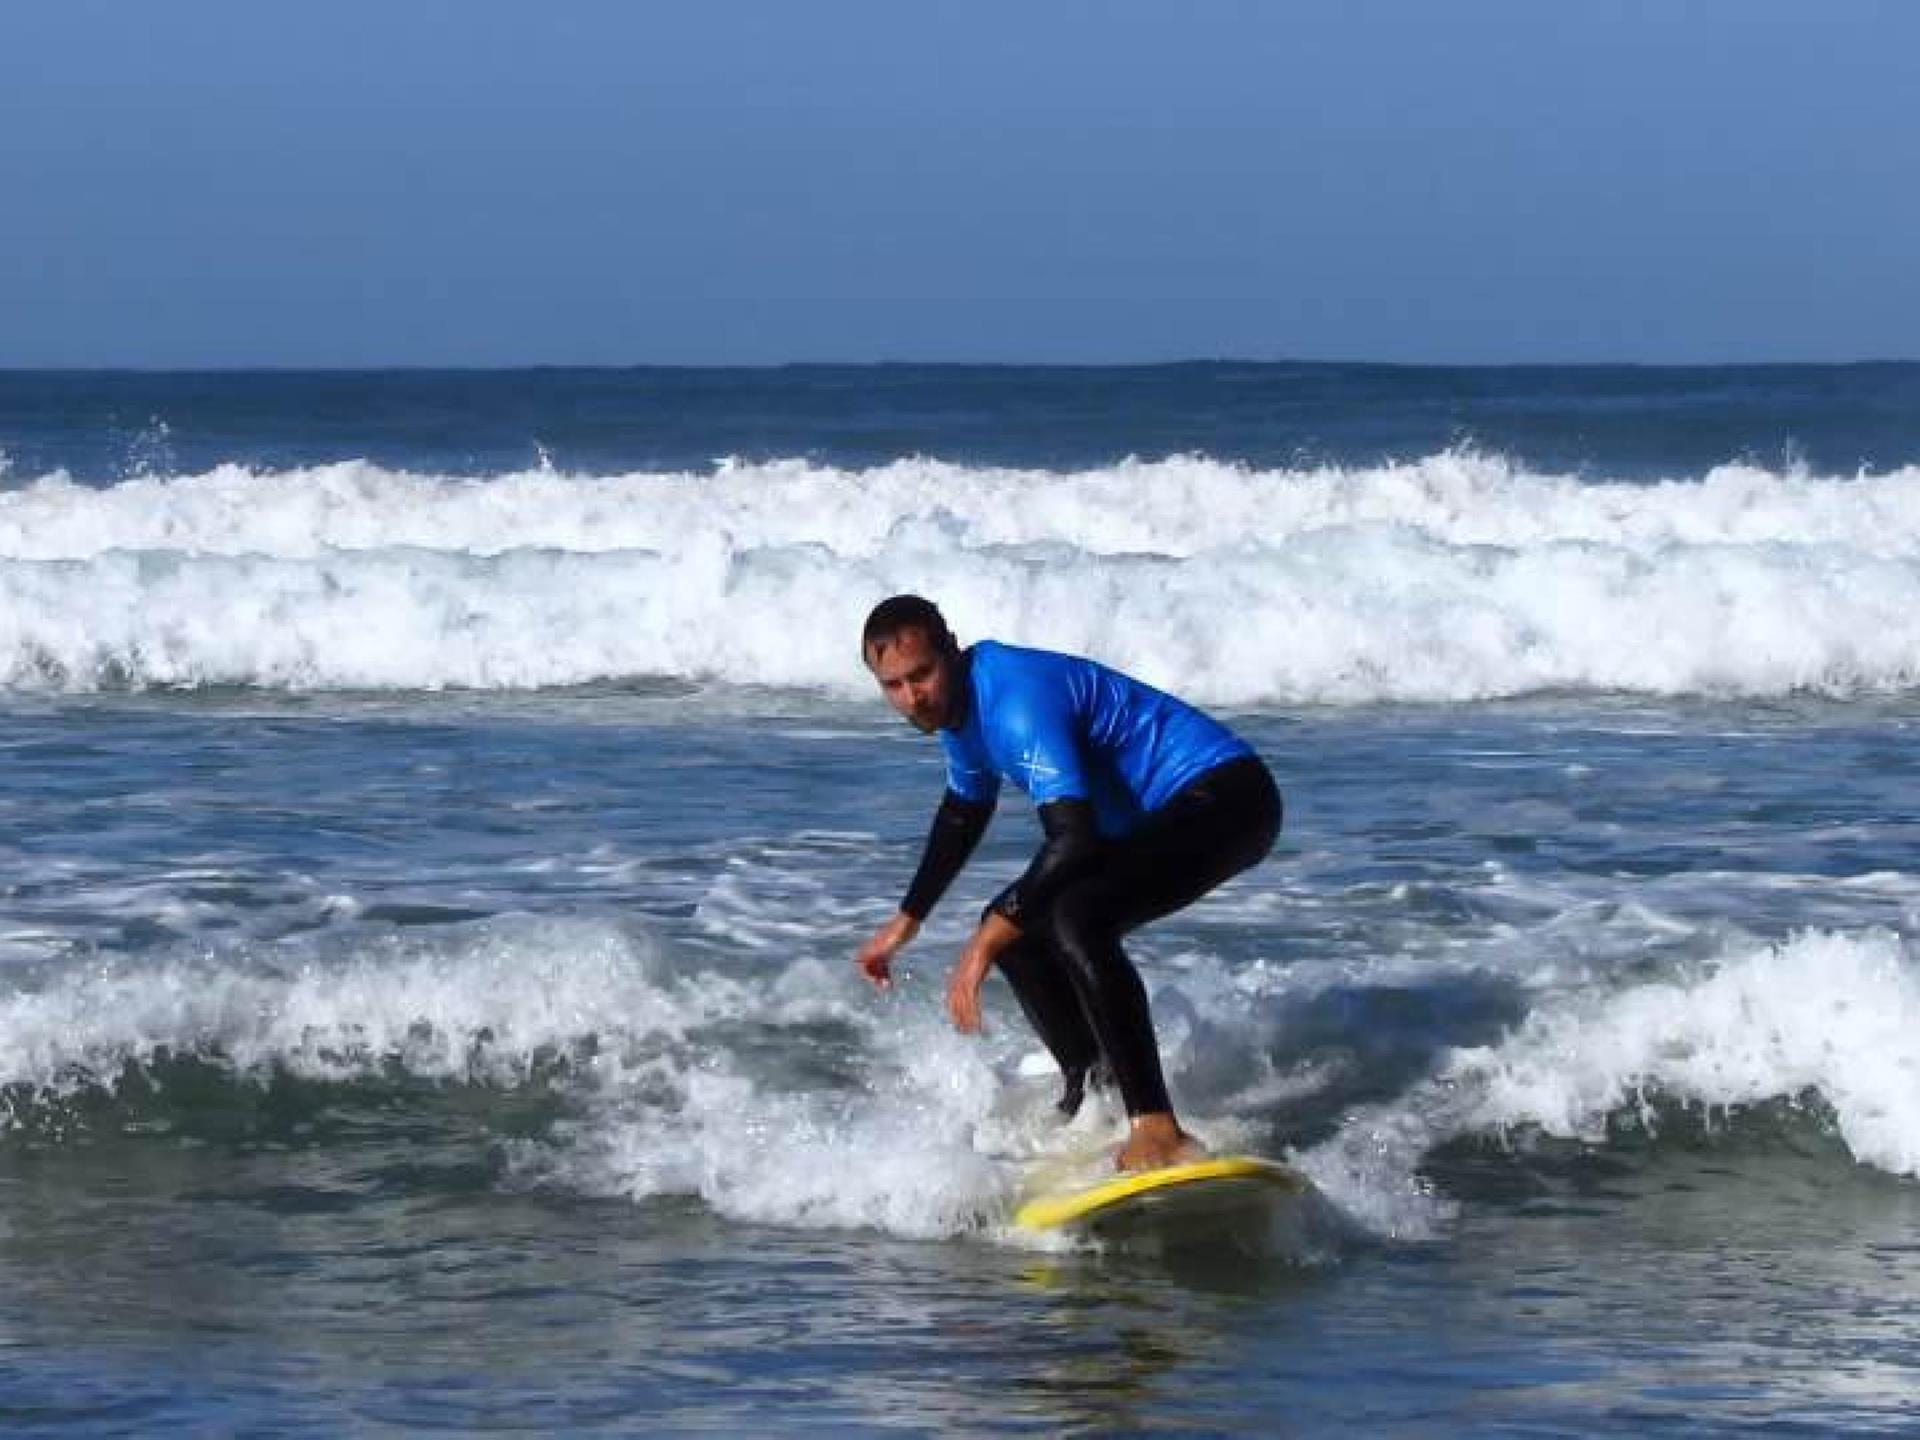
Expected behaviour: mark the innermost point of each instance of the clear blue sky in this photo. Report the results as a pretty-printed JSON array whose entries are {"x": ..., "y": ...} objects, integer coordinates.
[{"x": 478, "y": 182}]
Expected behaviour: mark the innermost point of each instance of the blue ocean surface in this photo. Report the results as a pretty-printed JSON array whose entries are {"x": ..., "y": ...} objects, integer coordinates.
[{"x": 440, "y": 811}]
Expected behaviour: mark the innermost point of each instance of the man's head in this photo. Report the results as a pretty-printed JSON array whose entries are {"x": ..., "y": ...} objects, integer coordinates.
[{"x": 914, "y": 657}]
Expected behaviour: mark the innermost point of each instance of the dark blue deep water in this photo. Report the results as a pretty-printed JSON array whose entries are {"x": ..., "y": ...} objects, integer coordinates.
[
  {"x": 1608, "y": 420},
  {"x": 438, "y": 812}
]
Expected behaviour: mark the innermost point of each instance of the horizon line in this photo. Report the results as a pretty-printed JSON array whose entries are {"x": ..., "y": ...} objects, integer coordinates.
[{"x": 778, "y": 366}]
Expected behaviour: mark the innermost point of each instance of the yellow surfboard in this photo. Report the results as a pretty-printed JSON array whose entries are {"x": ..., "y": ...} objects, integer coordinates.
[{"x": 1193, "y": 1189}]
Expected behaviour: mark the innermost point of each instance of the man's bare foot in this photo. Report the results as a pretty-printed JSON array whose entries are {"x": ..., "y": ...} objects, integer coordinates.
[{"x": 1157, "y": 1140}]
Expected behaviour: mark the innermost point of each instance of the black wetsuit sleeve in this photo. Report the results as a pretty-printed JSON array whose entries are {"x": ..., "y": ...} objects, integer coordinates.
[
  {"x": 957, "y": 827},
  {"x": 1071, "y": 846}
]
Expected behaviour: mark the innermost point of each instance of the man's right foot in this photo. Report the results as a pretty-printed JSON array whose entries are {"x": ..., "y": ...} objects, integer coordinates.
[{"x": 1155, "y": 1142}]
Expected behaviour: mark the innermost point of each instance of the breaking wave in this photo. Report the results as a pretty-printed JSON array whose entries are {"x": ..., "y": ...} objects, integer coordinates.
[{"x": 1458, "y": 577}]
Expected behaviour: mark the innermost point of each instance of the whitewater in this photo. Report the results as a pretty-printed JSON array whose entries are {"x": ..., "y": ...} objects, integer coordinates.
[{"x": 1458, "y": 576}]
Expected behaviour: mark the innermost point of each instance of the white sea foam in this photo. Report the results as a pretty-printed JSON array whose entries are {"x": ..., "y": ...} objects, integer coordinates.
[
  {"x": 1179, "y": 507},
  {"x": 705, "y": 1079},
  {"x": 1832, "y": 1014},
  {"x": 915, "y": 1149},
  {"x": 1455, "y": 578},
  {"x": 683, "y": 1079},
  {"x": 648, "y": 1045},
  {"x": 480, "y": 1004}
]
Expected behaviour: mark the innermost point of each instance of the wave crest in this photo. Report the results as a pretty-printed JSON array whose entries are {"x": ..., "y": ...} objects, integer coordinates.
[
  {"x": 1456, "y": 578},
  {"x": 1828, "y": 1014}
]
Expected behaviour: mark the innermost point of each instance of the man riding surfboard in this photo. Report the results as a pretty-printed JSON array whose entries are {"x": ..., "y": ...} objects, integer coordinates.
[{"x": 1147, "y": 804}]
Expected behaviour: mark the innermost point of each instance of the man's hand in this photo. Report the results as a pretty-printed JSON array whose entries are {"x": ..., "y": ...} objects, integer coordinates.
[
  {"x": 995, "y": 934},
  {"x": 876, "y": 956}
]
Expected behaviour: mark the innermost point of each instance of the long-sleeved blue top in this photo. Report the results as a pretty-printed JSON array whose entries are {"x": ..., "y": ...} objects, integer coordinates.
[{"x": 1061, "y": 727}]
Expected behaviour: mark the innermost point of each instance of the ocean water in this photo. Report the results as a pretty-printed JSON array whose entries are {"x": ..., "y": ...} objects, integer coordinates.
[{"x": 438, "y": 811}]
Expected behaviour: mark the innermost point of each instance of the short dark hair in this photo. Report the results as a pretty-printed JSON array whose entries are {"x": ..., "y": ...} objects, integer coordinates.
[{"x": 906, "y": 612}]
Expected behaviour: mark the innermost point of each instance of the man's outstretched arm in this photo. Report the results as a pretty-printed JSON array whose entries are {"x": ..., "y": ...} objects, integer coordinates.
[{"x": 951, "y": 840}]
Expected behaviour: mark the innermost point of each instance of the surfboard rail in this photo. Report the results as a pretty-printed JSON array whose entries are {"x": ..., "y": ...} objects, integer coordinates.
[{"x": 1051, "y": 1211}]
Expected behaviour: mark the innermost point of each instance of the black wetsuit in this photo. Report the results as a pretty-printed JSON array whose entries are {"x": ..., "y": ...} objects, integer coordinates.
[{"x": 1147, "y": 804}]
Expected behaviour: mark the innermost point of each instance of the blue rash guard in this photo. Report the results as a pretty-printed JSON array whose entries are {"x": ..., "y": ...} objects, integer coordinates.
[{"x": 1061, "y": 727}]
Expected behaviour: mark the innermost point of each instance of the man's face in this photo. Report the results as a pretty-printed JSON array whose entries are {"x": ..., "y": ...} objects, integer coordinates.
[{"x": 916, "y": 676}]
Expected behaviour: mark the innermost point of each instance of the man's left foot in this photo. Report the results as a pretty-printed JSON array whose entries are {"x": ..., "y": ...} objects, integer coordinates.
[
  {"x": 1073, "y": 1093},
  {"x": 1076, "y": 1083}
]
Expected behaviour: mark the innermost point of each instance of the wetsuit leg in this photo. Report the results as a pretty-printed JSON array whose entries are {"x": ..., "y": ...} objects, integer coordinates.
[
  {"x": 1221, "y": 824},
  {"x": 1052, "y": 1006}
]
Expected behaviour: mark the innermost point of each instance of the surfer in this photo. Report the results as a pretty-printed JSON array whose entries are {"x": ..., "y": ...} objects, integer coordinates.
[{"x": 1146, "y": 804}]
